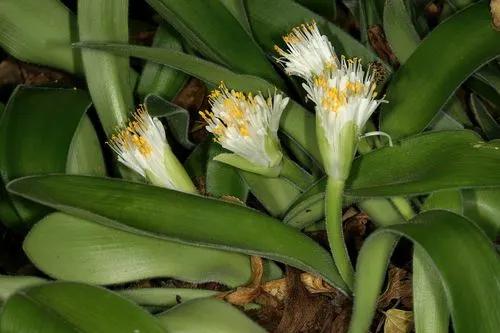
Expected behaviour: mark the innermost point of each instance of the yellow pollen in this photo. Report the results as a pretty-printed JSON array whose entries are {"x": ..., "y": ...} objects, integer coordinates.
[{"x": 243, "y": 130}]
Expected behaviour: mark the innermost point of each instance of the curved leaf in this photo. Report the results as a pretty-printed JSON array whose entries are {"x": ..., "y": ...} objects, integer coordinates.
[
  {"x": 37, "y": 135},
  {"x": 107, "y": 75},
  {"x": 214, "y": 31},
  {"x": 467, "y": 263},
  {"x": 425, "y": 163},
  {"x": 179, "y": 217},
  {"x": 165, "y": 297},
  {"x": 162, "y": 80},
  {"x": 399, "y": 29},
  {"x": 11, "y": 284},
  {"x": 211, "y": 316},
  {"x": 64, "y": 307},
  {"x": 177, "y": 118},
  {"x": 483, "y": 207},
  {"x": 461, "y": 50},
  {"x": 25, "y": 34},
  {"x": 73, "y": 249}
]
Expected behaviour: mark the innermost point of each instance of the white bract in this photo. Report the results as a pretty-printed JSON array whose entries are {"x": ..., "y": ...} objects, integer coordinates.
[
  {"x": 247, "y": 125},
  {"x": 142, "y": 146},
  {"x": 308, "y": 52}
]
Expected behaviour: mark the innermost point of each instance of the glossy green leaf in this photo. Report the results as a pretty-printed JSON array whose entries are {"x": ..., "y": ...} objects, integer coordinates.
[
  {"x": 25, "y": 34},
  {"x": 11, "y": 284},
  {"x": 269, "y": 28},
  {"x": 237, "y": 8},
  {"x": 179, "y": 217},
  {"x": 324, "y": 8},
  {"x": 275, "y": 194},
  {"x": 407, "y": 112},
  {"x": 162, "y": 80},
  {"x": 483, "y": 207},
  {"x": 216, "y": 33},
  {"x": 370, "y": 14},
  {"x": 107, "y": 75},
  {"x": 488, "y": 90},
  {"x": 426, "y": 163},
  {"x": 165, "y": 297},
  {"x": 65, "y": 307},
  {"x": 73, "y": 249},
  {"x": 450, "y": 200},
  {"x": 431, "y": 314},
  {"x": 208, "y": 316},
  {"x": 399, "y": 29},
  {"x": 176, "y": 117},
  {"x": 489, "y": 125},
  {"x": 222, "y": 179},
  {"x": 37, "y": 135},
  {"x": 465, "y": 260}
]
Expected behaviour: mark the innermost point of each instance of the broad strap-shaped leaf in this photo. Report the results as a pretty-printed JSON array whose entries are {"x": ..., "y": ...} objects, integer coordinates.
[
  {"x": 107, "y": 75},
  {"x": 207, "y": 316},
  {"x": 181, "y": 217},
  {"x": 216, "y": 33},
  {"x": 425, "y": 163},
  {"x": 465, "y": 259},
  {"x": 44, "y": 130},
  {"x": 449, "y": 54},
  {"x": 74, "y": 249},
  {"x": 162, "y": 80},
  {"x": 9, "y": 284},
  {"x": 165, "y": 297},
  {"x": 65, "y": 307},
  {"x": 26, "y": 34}
]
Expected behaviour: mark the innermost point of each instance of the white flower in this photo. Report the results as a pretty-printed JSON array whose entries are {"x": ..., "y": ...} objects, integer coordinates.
[
  {"x": 308, "y": 52},
  {"x": 343, "y": 97},
  {"x": 246, "y": 125},
  {"x": 142, "y": 146}
]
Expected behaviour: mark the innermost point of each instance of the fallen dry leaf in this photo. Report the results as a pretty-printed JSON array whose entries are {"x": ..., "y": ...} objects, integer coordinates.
[
  {"x": 399, "y": 289},
  {"x": 379, "y": 43},
  {"x": 246, "y": 294},
  {"x": 315, "y": 284},
  {"x": 398, "y": 321}
]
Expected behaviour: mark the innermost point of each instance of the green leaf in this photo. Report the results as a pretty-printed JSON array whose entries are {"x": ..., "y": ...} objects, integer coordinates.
[
  {"x": 73, "y": 249},
  {"x": 483, "y": 207},
  {"x": 426, "y": 163},
  {"x": 465, "y": 260},
  {"x": 176, "y": 117},
  {"x": 399, "y": 29},
  {"x": 208, "y": 316},
  {"x": 38, "y": 134},
  {"x": 179, "y": 217},
  {"x": 407, "y": 112},
  {"x": 165, "y": 297},
  {"x": 324, "y": 8},
  {"x": 488, "y": 124},
  {"x": 11, "y": 284},
  {"x": 237, "y": 9},
  {"x": 223, "y": 179},
  {"x": 26, "y": 34},
  {"x": 275, "y": 194},
  {"x": 65, "y": 307},
  {"x": 162, "y": 80},
  {"x": 269, "y": 28},
  {"x": 214, "y": 31},
  {"x": 450, "y": 200},
  {"x": 107, "y": 75}
]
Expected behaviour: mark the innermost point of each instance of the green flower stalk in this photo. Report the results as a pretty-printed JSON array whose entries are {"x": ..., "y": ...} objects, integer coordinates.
[
  {"x": 344, "y": 97},
  {"x": 247, "y": 125},
  {"x": 142, "y": 146}
]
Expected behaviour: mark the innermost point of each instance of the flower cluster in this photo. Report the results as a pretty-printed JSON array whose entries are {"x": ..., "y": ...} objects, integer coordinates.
[
  {"x": 344, "y": 94},
  {"x": 142, "y": 146},
  {"x": 246, "y": 124}
]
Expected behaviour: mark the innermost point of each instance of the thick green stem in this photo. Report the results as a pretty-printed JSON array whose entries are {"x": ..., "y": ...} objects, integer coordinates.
[
  {"x": 333, "y": 212},
  {"x": 291, "y": 171}
]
